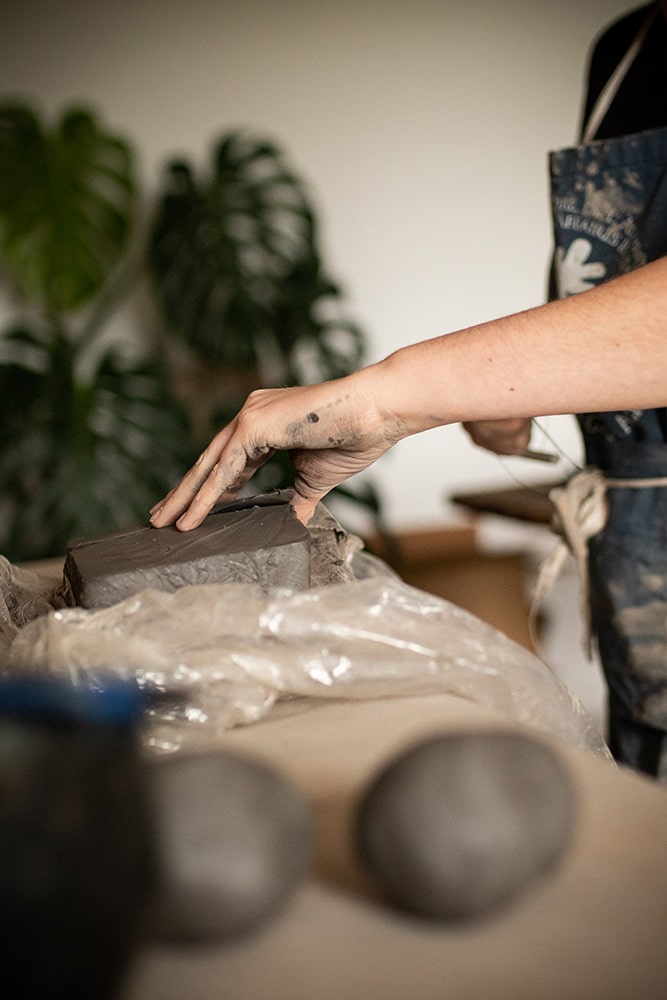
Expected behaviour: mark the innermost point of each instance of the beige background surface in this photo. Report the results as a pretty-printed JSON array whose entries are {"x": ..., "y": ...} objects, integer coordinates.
[{"x": 595, "y": 928}]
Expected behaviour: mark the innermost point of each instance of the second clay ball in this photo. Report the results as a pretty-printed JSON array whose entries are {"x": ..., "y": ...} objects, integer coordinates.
[{"x": 459, "y": 824}]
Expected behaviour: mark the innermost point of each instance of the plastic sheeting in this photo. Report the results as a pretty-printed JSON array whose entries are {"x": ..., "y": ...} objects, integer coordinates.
[
  {"x": 220, "y": 656},
  {"x": 24, "y": 596}
]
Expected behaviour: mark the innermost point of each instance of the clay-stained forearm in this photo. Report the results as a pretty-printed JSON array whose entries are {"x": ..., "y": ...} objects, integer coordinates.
[{"x": 603, "y": 349}]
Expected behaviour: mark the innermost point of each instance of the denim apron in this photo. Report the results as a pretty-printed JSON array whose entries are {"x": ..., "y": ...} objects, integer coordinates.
[{"x": 609, "y": 208}]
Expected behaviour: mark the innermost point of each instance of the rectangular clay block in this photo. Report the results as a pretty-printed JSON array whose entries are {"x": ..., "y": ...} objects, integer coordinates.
[{"x": 256, "y": 540}]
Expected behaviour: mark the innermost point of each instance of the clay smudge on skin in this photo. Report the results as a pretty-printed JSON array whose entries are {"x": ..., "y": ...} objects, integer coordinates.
[
  {"x": 201, "y": 478},
  {"x": 237, "y": 462},
  {"x": 260, "y": 450},
  {"x": 349, "y": 434},
  {"x": 296, "y": 429}
]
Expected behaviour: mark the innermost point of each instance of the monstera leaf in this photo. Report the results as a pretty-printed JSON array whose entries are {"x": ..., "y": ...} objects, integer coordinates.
[
  {"x": 235, "y": 259},
  {"x": 316, "y": 342},
  {"x": 234, "y": 253},
  {"x": 88, "y": 441},
  {"x": 80, "y": 457},
  {"x": 66, "y": 204}
]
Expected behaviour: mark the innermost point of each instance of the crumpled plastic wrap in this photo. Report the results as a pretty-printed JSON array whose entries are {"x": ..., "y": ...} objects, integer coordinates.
[
  {"x": 24, "y": 596},
  {"x": 222, "y": 655}
]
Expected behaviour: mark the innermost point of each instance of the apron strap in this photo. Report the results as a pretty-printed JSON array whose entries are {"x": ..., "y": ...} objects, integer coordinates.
[
  {"x": 609, "y": 91},
  {"x": 580, "y": 511},
  {"x": 638, "y": 483}
]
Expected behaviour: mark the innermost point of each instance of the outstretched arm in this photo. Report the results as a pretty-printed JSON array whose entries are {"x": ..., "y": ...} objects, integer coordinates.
[{"x": 602, "y": 349}]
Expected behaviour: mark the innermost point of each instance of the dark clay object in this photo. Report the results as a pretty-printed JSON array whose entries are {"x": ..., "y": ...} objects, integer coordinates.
[
  {"x": 259, "y": 540},
  {"x": 460, "y": 824},
  {"x": 233, "y": 841},
  {"x": 75, "y": 840}
]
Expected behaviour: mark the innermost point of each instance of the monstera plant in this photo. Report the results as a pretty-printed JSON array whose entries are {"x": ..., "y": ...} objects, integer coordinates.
[
  {"x": 235, "y": 257},
  {"x": 88, "y": 439}
]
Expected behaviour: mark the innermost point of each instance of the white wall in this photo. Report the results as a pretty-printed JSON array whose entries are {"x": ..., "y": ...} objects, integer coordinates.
[{"x": 423, "y": 128}]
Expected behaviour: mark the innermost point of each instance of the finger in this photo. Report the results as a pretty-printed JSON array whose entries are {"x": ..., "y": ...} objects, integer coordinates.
[
  {"x": 223, "y": 483},
  {"x": 160, "y": 504},
  {"x": 181, "y": 496},
  {"x": 178, "y": 500},
  {"x": 237, "y": 463},
  {"x": 303, "y": 508}
]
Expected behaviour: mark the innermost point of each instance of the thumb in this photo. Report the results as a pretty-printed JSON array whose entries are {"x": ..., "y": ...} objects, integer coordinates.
[{"x": 304, "y": 507}]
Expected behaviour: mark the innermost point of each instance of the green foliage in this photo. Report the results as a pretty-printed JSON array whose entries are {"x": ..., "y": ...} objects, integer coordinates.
[
  {"x": 236, "y": 263},
  {"x": 88, "y": 441},
  {"x": 85, "y": 446},
  {"x": 66, "y": 205},
  {"x": 79, "y": 457},
  {"x": 237, "y": 267}
]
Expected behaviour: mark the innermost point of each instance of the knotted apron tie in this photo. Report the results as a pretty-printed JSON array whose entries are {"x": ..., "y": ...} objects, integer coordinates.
[{"x": 580, "y": 512}]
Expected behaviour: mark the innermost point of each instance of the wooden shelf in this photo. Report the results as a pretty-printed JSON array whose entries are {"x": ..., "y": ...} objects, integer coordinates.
[{"x": 524, "y": 503}]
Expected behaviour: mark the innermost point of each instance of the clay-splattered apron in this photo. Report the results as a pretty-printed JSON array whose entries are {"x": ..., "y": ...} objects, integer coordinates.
[{"x": 609, "y": 204}]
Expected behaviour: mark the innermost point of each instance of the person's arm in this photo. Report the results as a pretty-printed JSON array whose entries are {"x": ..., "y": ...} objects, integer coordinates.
[{"x": 602, "y": 349}]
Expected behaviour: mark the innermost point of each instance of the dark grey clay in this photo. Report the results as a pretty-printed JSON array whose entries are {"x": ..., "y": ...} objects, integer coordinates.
[
  {"x": 233, "y": 841},
  {"x": 258, "y": 540},
  {"x": 460, "y": 824}
]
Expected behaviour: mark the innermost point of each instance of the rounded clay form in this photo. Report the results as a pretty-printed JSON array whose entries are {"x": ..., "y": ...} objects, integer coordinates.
[
  {"x": 234, "y": 839},
  {"x": 461, "y": 823}
]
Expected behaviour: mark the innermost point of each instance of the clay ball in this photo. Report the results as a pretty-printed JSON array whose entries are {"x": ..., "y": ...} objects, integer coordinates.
[
  {"x": 233, "y": 842},
  {"x": 462, "y": 823}
]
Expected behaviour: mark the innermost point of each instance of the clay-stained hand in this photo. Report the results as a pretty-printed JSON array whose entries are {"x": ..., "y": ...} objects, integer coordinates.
[
  {"x": 510, "y": 436},
  {"x": 332, "y": 430}
]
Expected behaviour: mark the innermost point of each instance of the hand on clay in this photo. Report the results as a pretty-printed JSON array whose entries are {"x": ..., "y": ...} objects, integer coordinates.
[
  {"x": 510, "y": 436},
  {"x": 332, "y": 430}
]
